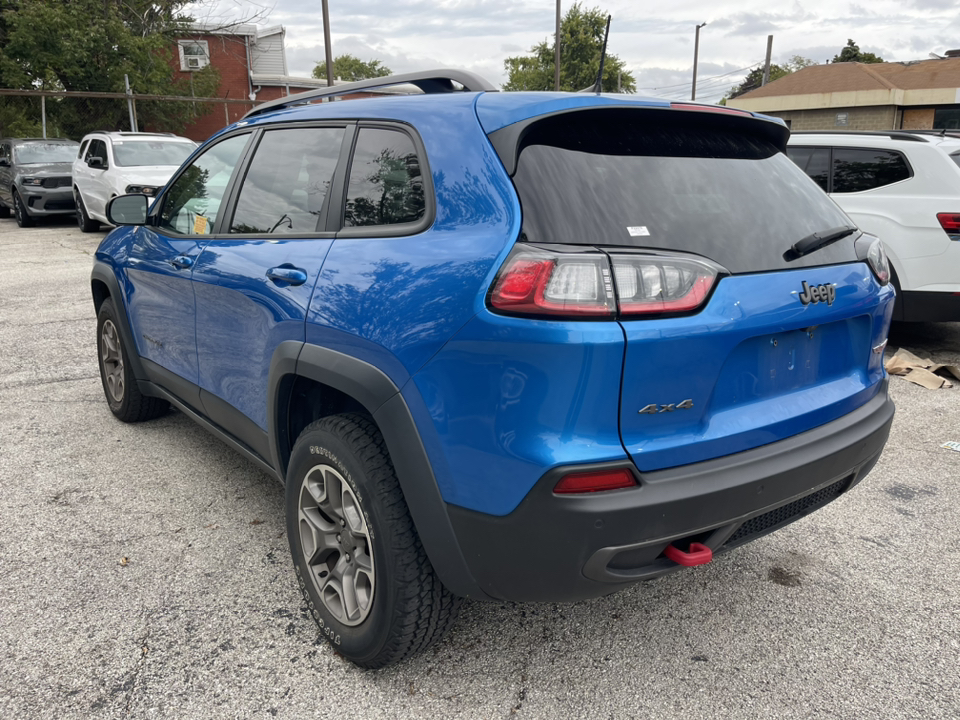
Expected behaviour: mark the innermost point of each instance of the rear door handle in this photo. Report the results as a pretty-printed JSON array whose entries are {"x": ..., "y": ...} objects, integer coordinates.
[
  {"x": 288, "y": 275},
  {"x": 182, "y": 261}
]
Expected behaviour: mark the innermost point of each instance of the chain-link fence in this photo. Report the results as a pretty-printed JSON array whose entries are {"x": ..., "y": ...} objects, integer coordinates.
[{"x": 25, "y": 113}]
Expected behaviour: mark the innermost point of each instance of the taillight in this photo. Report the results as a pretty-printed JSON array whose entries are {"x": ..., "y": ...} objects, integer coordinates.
[
  {"x": 870, "y": 249},
  {"x": 950, "y": 222},
  {"x": 647, "y": 284},
  {"x": 597, "y": 481},
  {"x": 540, "y": 281}
]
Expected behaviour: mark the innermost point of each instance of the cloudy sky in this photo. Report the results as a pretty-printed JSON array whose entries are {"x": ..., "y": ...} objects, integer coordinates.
[{"x": 654, "y": 40}]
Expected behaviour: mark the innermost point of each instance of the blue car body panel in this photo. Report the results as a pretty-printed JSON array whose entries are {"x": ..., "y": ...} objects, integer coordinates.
[{"x": 242, "y": 315}]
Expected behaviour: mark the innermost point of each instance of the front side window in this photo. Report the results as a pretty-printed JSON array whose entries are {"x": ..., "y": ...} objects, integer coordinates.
[
  {"x": 858, "y": 169},
  {"x": 386, "y": 185},
  {"x": 287, "y": 182},
  {"x": 815, "y": 162},
  {"x": 192, "y": 203},
  {"x": 97, "y": 148}
]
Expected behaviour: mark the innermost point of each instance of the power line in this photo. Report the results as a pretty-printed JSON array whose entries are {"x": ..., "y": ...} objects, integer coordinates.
[{"x": 707, "y": 79}]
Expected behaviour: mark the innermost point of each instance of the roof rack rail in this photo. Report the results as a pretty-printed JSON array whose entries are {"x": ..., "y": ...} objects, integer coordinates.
[
  {"x": 892, "y": 134},
  {"x": 429, "y": 81}
]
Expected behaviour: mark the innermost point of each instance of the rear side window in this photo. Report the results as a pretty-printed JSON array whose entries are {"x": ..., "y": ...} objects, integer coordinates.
[
  {"x": 956, "y": 158},
  {"x": 815, "y": 162},
  {"x": 288, "y": 181},
  {"x": 670, "y": 180},
  {"x": 859, "y": 169},
  {"x": 386, "y": 184}
]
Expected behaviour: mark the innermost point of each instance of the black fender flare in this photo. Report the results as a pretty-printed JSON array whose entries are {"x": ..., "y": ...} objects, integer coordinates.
[
  {"x": 378, "y": 394},
  {"x": 102, "y": 272}
]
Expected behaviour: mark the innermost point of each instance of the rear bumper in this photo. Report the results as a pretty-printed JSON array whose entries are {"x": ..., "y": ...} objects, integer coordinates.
[
  {"x": 566, "y": 548},
  {"x": 921, "y": 306}
]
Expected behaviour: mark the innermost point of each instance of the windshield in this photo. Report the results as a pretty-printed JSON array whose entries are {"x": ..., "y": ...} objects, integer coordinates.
[
  {"x": 133, "y": 153},
  {"x": 40, "y": 153},
  {"x": 688, "y": 184}
]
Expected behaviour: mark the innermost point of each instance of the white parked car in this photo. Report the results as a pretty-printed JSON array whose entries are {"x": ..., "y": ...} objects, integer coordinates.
[
  {"x": 904, "y": 187},
  {"x": 117, "y": 163}
]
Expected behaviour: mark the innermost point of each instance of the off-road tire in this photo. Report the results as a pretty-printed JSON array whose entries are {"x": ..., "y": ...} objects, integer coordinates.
[
  {"x": 20, "y": 211},
  {"x": 410, "y": 608},
  {"x": 120, "y": 387}
]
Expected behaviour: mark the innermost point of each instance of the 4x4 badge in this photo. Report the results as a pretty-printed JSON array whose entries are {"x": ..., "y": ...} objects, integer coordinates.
[
  {"x": 818, "y": 293},
  {"x": 654, "y": 408}
]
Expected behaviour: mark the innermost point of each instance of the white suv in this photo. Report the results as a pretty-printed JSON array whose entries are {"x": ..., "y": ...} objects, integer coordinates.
[
  {"x": 117, "y": 163},
  {"x": 904, "y": 187}
]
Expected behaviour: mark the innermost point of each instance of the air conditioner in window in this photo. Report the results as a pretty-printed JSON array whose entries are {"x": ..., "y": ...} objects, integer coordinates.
[{"x": 195, "y": 63}]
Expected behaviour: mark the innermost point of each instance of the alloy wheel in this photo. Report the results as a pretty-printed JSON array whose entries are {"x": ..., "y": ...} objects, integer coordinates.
[
  {"x": 336, "y": 545},
  {"x": 112, "y": 359}
]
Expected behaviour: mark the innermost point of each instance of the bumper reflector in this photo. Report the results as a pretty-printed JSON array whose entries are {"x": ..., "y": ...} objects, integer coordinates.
[{"x": 598, "y": 481}]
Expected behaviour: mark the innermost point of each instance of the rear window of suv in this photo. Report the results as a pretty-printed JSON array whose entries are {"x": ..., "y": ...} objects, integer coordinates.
[{"x": 661, "y": 180}]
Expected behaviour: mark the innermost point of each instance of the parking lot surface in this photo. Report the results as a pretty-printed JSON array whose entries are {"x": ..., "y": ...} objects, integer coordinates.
[{"x": 146, "y": 572}]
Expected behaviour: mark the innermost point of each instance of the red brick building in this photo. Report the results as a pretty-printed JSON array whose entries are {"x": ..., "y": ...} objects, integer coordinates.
[{"x": 253, "y": 67}]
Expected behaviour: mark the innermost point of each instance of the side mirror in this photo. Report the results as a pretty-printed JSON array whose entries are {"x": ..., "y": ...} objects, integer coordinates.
[
  {"x": 95, "y": 162},
  {"x": 127, "y": 209}
]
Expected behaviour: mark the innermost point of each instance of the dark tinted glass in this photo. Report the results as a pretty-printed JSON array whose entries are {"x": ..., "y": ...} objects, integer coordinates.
[
  {"x": 602, "y": 178},
  {"x": 97, "y": 148},
  {"x": 386, "y": 187},
  {"x": 287, "y": 182},
  {"x": 192, "y": 203},
  {"x": 815, "y": 162},
  {"x": 856, "y": 169}
]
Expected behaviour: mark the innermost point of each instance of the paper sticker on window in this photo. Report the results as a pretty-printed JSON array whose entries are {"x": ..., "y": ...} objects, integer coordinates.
[
  {"x": 638, "y": 231},
  {"x": 200, "y": 225}
]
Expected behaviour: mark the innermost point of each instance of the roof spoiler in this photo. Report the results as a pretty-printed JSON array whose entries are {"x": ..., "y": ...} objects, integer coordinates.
[{"x": 429, "y": 81}]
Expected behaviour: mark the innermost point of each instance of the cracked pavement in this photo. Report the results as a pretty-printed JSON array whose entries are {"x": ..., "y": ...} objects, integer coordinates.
[{"x": 146, "y": 572}]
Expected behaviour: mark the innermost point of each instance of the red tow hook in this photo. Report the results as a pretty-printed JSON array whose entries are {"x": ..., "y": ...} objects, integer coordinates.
[{"x": 699, "y": 554}]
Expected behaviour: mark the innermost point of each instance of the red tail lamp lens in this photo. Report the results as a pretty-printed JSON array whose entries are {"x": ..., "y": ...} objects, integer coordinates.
[
  {"x": 598, "y": 481},
  {"x": 950, "y": 222},
  {"x": 571, "y": 284}
]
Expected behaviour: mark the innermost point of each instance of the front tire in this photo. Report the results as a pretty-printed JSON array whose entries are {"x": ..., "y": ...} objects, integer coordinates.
[
  {"x": 86, "y": 223},
  {"x": 120, "y": 388},
  {"x": 20, "y": 211},
  {"x": 359, "y": 561}
]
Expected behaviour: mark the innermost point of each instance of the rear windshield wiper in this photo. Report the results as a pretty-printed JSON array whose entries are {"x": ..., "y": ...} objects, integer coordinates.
[{"x": 815, "y": 241}]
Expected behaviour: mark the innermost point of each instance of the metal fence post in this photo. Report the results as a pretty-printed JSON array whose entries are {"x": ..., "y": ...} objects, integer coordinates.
[
  {"x": 43, "y": 114},
  {"x": 133, "y": 115},
  {"x": 226, "y": 114}
]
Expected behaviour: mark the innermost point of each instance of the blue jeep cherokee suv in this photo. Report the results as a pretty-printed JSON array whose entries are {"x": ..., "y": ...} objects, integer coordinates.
[{"x": 511, "y": 346}]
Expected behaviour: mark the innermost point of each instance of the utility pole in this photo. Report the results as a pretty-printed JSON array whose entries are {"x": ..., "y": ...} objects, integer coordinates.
[
  {"x": 328, "y": 51},
  {"x": 556, "y": 59},
  {"x": 766, "y": 65},
  {"x": 696, "y": 53}
]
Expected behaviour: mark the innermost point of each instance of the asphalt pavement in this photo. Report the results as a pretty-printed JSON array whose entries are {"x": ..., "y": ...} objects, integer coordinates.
[{"x": 145, "y": 572}]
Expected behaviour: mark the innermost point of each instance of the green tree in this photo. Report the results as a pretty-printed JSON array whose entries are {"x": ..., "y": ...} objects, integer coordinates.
[
  {"x": 89, "y": 45},
  {"x": 581, "y": 42},
  {"x": 852, "y": 53},
  {"x": 754, "y": 78},
  {"x": 349, "y": 68}
]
